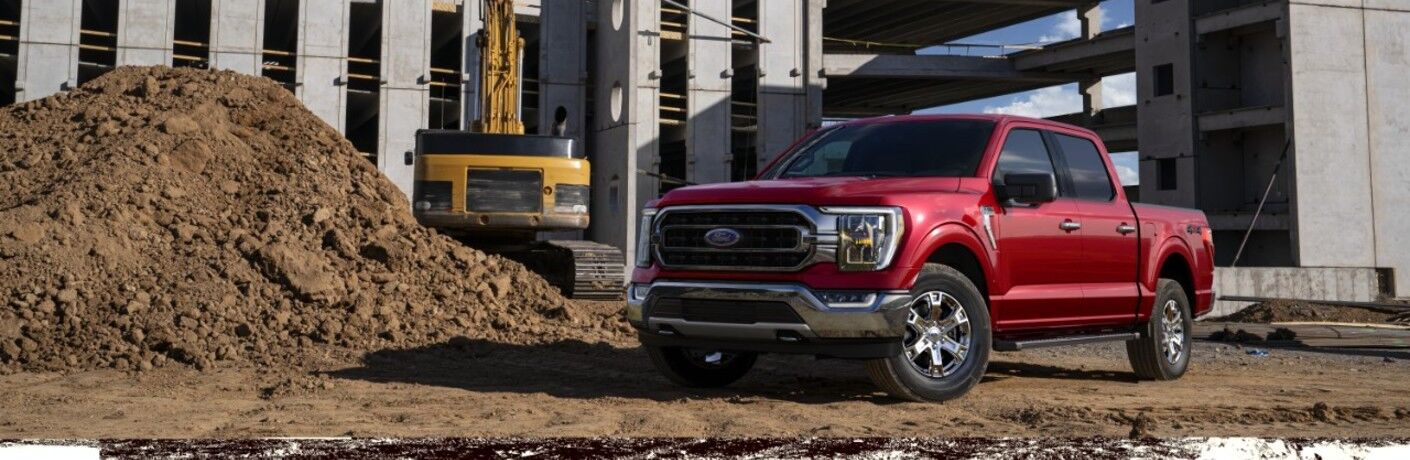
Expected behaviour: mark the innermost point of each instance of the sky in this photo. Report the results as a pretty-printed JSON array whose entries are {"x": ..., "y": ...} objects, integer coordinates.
[{"x": 1117, "y": 91}]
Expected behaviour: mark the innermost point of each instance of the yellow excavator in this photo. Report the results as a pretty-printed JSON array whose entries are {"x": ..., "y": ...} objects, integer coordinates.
[{"x": 497, "y": 189}]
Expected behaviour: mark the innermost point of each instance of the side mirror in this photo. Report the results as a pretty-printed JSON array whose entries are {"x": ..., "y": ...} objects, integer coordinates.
[{"x": 1030, "y": 188}]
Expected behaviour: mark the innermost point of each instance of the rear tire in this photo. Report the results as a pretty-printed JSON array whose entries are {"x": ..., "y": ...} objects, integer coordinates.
[
  {"x": 700, "y": 368},
  {"x": 1163, "y": 351},
  {"x": 946, "y": 348}
]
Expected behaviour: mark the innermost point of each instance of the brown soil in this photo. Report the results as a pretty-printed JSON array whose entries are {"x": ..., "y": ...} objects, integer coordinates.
[
  {"x": 159, "y": 216},
  {"x": 472, "y": 387},
  {"x": 1283, "y": 311}
]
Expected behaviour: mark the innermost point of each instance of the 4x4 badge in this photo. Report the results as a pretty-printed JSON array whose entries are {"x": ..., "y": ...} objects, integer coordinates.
[{"x": 722, "y": 237}]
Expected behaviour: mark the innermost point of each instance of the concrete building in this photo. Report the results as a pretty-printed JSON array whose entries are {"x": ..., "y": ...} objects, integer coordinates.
[{"x": 670, "y": 92}]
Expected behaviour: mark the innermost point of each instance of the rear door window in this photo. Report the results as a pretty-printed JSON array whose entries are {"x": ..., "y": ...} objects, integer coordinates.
[{"x": 1090, "y": 179}]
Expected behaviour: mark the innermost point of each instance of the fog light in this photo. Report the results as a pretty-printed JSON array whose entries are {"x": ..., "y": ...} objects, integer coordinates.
[
  {"x": 845, "y": 299},
  {"x": 639, "y": 291}
]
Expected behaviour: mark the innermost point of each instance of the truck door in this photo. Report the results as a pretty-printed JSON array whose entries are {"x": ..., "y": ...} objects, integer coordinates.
[
  {"x": 1039, "y": 246},
  {"x": 1109, "y": 269}
]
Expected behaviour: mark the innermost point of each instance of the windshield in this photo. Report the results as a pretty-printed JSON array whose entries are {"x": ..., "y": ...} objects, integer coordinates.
[{"x": 938, "y": 148}]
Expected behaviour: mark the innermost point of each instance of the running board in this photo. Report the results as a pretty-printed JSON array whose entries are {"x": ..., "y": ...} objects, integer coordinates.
[{"x": 1006, "y": 345}]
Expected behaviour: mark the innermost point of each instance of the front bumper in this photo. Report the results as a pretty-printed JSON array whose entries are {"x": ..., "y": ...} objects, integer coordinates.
[{"x": 872, "y": 328}]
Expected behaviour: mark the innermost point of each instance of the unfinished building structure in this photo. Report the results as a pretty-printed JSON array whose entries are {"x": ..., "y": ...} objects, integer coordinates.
[{"x": 671, "y": 92}]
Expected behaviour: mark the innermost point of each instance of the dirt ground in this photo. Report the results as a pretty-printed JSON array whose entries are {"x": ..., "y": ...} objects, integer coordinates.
[{"x": 477, "y": 388}]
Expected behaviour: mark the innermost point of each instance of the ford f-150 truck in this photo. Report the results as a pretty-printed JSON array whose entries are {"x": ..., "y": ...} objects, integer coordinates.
[{"x": 918, "y": 244}]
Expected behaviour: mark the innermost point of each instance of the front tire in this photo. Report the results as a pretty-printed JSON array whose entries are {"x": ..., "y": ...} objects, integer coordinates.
[
  {"x": 946, "y": 347},
  {"x": 693, "y": 368},
  {"x": 1163, "y": 351}
]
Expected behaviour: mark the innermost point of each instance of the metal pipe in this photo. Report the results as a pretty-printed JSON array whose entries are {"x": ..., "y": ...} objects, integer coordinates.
[
  {"x": 717, "y": 21},
  {"x": 1264, "y": 201}
]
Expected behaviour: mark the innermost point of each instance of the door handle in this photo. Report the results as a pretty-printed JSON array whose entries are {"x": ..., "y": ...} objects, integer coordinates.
[
  {"x": 1125, "y": 229},
  {"x": 1070, "y": 226}
]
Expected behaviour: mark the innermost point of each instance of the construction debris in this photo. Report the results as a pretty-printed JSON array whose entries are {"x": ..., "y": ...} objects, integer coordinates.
[{"x": 157, "y": 216}]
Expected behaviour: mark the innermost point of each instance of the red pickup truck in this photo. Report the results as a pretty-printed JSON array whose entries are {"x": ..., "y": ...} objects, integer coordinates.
[{"x": 919, "y": 244}]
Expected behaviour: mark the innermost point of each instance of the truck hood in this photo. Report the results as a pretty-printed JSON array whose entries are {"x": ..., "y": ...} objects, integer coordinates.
[{"x": 819, "y": 191}]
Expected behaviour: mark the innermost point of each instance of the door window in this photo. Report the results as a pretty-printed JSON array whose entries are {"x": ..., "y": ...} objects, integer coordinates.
[
  {"x": 1024, "y": 153},
  {"x": 1090, "y": 180}
]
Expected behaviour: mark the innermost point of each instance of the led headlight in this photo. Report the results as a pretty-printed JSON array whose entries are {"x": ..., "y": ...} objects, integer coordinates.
[
  {"x": 643, "y": 238},
  {"x": 570, "y": 199},
  {"x": 867, "y": 238}
]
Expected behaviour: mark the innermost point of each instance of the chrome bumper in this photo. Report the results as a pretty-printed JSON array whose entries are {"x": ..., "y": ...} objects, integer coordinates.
[{"x": 882, "y": 316}]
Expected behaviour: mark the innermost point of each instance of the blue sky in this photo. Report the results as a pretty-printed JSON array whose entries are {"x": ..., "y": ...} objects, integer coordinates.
[{"x": 1118, "y": 90}]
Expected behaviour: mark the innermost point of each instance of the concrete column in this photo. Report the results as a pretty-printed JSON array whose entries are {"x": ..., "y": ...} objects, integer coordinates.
[
  {"x": 563, "y": 51},
  {"x": 48, "y": 51},
  {"x": 1090, "y": 17},
  {"x": 145, "y": 31},
  {"x": 813, "y": 78},
  {"x": 1164, "y": 39},
  {"x": 470, "y": 66},
  {"x": 1387, "y": 66},
  {"x": 627, "y": 107},
  {"x": 237, "y": 35},
  {"x": 708, "y": 99},
  {"x": 405, "y": 101},
  {"x": 1333, "y": 205},
  {"x": 321, "y": 78},
  {"x": 782, "y": 63}
]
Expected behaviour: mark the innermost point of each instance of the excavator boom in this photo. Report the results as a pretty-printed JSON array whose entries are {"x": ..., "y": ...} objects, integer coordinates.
[{"x": 500, "y": 51}]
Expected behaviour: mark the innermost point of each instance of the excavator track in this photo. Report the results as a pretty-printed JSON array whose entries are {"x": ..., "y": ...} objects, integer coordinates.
[{"x": 581, "y": 269}]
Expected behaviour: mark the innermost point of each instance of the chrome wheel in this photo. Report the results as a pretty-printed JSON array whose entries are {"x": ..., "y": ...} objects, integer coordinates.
[
  {"x": 1172, "y": 325},
  {"x": 937, "y": 334}
]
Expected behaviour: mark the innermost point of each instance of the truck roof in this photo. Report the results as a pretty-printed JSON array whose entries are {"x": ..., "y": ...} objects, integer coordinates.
[{"x": 996, "y": 118}]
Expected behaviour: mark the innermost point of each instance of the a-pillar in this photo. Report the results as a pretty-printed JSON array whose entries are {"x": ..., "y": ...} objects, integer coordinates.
[
  {"x": 145, "y": 32},
  {"x": 710, "y": 85},
  {"x": 322, "y": 73},
  {"x": 237, "y": 35},
  {"x": 785, "y": 79},
  {"x": 563, "y": 51},
  {"x": 627, "y": 86},
  {"x": 1090, "y": 17},
  {"x": 48, "y": 51},
  {"x": 405, "y": 101}
]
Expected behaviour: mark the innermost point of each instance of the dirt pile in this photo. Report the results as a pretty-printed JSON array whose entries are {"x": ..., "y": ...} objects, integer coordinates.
[
  {"x": 1280, "y": 311},
  {"x": 159, "y": 215}
]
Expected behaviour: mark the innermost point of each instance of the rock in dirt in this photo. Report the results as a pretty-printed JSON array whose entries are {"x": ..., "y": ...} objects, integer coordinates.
[{"x": 225, "y": 223}]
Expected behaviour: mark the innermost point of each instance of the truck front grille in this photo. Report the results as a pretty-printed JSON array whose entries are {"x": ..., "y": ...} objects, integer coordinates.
[{"x": 759, "y": 240}]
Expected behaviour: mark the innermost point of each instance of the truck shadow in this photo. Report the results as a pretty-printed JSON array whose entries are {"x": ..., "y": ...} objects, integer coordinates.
[{"x": 576, "y": 369}]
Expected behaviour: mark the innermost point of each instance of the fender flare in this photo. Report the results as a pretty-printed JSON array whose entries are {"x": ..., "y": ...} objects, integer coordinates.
[
  {"x": 956, "y": 233},
  {"x": 1171, "y": 245}
]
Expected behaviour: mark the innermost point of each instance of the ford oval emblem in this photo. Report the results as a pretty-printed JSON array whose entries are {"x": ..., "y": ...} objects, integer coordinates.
[{"x": 722, "y": 237}]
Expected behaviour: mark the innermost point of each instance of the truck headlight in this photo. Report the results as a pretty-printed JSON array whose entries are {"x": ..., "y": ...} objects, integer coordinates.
[
  {"x": 570, "y": 199},
  {"x": 867, "y": 238},
  {"x": 643, "y": 238}
]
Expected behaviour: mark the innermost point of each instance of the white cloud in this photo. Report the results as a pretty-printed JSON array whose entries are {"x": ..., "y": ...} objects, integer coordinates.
[
  {"x": 1126, "y": 168},
  {"x": 1067, "y": 28},
  {"x": 1043, "y": 103},
  {"x": 1117, "y": 91}
]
